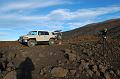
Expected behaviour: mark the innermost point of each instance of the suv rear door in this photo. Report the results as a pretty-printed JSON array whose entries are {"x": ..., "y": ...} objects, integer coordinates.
[
  {"x": 43, "y": 36},
  {"x": 46, "y": 36}
]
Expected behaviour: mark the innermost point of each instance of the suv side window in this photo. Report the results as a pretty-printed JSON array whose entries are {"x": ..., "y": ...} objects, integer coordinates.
[
  {"x": 40, "y": 33},
  {"x": 46, "y": 33},
  {"x": 33, "y": 33},
  {"x": 43, "y": 33}
]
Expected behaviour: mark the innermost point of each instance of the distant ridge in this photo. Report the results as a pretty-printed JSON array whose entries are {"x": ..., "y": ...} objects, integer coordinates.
[{"x": 113, "y": 26}]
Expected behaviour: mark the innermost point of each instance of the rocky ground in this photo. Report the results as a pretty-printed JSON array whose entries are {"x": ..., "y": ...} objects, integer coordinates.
[{"x": 77, "y": 59}]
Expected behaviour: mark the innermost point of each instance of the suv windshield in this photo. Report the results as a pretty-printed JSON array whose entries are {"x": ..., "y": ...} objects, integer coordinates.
[{"x": 32, "y": 33}]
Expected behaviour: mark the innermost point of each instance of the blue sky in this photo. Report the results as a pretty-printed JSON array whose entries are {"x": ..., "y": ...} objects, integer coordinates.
[{"x": 18, "y": 17}]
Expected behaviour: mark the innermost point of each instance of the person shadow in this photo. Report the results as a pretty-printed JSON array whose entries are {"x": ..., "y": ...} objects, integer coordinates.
[{"x": 25, "y": 69}]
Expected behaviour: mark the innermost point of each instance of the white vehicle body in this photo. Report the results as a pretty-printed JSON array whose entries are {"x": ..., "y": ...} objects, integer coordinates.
[{"x": 38, "y": 36}]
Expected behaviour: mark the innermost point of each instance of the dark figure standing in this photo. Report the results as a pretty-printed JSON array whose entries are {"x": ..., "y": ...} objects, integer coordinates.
[
  {"x": 25, "y": 69},
  {"x": 104, "y": 33},
  {"x": 103, "y": 39}
]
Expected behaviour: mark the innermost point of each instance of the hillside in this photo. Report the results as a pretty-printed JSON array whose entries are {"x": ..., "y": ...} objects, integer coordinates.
[{"x": 92, "y": 29}]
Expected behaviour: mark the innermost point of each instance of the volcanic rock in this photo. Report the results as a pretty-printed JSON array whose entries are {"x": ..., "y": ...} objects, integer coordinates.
[
  {"x": 73, "y": 72},
  {"x": 11, "y": 75},
  {"x": 70, "y": 55},
  {"x": 59, "y": 72},
  {"x": 107, "y": 75}
]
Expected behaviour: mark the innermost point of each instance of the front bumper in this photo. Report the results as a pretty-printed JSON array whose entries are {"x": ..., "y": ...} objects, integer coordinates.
[{"x": 22, "y": 40}]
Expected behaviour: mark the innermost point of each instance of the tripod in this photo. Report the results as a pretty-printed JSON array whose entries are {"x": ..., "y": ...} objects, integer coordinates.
[{"x": 105, "y": 48}]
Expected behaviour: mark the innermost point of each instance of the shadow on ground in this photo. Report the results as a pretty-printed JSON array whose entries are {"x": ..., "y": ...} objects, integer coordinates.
[{"x": 25, "y": 69}]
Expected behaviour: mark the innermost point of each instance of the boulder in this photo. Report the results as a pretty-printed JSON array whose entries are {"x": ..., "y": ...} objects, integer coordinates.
[
  {"x": 86, "y": 66},
  {"x": 102, "y": 68},
  {"x": 81, "y": 66},
  {"x": 73, "y": 72},
  {"x": 59, "y": 72},
  {"x": 94, "y": 68},
  {"x": 118, "y": 72},
  {"x": 107, "y": 75},
  {"x": 69, "y": 55},
  {"x": 11, "y": 75},
  {"x": 90, "y": 73}
]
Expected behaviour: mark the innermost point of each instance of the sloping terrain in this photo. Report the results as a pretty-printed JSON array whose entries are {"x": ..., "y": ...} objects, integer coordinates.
[
  {"x": 84, "y": 57},
  {"x": 92, "y": 29}
]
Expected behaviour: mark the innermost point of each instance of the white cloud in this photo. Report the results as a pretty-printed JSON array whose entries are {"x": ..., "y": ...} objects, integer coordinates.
[
  {"x": 83, "y": 13},
  {"x": 59, "y": 14},
  {"x": 26, "y": 5},
  {"x": 58, "y": 18},
  {"x": 66, "y": 14}
]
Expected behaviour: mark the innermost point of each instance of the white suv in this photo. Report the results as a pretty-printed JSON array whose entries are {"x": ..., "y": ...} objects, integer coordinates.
[{"x": 33, "y": 37}]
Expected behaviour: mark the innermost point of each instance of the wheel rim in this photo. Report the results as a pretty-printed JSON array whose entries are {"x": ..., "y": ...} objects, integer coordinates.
[
  {"x": 31, "y": 43},
  {"x": 51, "y": 42}
]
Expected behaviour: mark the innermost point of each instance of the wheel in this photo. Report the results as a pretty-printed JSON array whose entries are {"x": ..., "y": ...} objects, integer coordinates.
[
  {"x": 51, "y": 41},
  {"x": 31, "y": 43},
  {"x": 59, "y": 37}
]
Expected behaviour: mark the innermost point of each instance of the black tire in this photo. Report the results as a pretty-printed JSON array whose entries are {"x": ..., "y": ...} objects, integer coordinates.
[
  {"x": 51, "y": 41},
  {"x": 59, "y": 37},
  {"x": 31, "y": 43}
]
